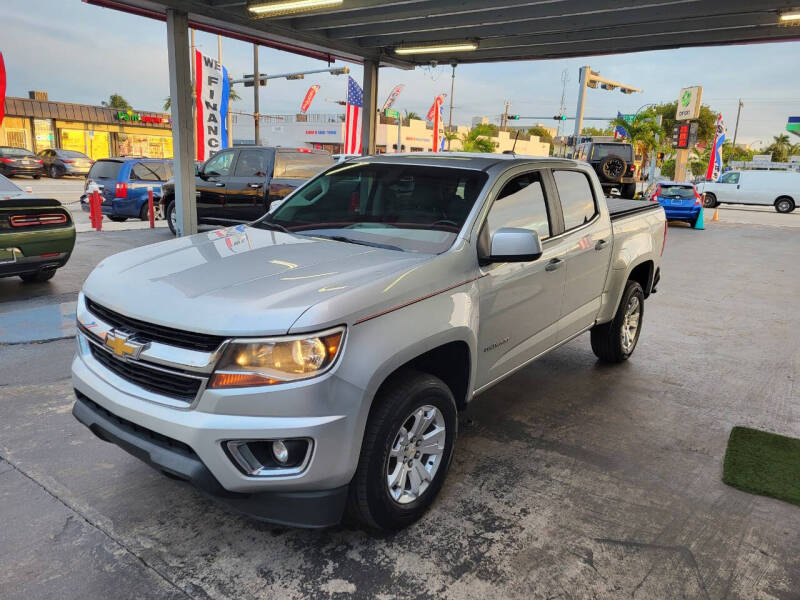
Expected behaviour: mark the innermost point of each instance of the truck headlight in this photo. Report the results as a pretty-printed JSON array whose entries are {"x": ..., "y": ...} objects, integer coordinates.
[{"x": 277, "y": 360}]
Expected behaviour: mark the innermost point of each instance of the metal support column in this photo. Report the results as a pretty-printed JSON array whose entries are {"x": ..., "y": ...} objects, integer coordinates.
[
  {"x": 584, "y": 74},
  {"x": 180, "y": 93},
  {"x": 370, "y": 108},
  {"x": 256, "y": 85}
]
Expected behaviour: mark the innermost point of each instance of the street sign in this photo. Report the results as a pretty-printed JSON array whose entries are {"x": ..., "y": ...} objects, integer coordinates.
[
  {"x": 629, "y": 118},
  {"x": 391, "y": 113},
  {"x": 689, "y": 103}
]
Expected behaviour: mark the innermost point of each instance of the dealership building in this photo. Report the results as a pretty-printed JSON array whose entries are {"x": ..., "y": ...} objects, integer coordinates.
[{"x": 37, "y": 123}]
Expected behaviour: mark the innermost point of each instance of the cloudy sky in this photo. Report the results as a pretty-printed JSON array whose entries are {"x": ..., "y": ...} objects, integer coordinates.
[{"x": 82, "y": 53}]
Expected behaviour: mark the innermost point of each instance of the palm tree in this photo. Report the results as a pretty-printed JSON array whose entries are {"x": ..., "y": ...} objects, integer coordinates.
[
  {"x": 795, "y": 149},
  {"x": 116, "y": 101},
  {"x": 781, "y": 148},
  {"x": 233, "y": 96},
  {"x": 475, "y": 140},
  {"x": 409, "y": 116},
  {"x": 642, "y": 132}
]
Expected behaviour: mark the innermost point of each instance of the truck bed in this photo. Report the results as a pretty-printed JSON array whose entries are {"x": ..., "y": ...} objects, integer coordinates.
[{"x": 619, "y": 208}]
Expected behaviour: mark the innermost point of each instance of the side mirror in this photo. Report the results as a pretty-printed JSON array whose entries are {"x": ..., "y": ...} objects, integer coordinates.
[
  {"x": 513, "y": 244},
  {"x": 274, "y": 205}
]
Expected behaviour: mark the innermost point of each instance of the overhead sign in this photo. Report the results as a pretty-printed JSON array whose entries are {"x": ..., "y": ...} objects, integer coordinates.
[
  {"x": 689, "y": 103},
  {"x": 312, "y": 91},
  {"x": 792, "y": 126},
  {"x": 391, "y": 113},
  {"x": 213, "y": 90}
]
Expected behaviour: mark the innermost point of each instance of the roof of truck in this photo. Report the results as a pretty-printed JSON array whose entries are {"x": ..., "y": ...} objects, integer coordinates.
[{"x": 460, "y": 160}]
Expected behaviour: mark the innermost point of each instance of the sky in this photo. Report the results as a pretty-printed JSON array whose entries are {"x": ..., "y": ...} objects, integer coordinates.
[{"x": 82, "y": 53}]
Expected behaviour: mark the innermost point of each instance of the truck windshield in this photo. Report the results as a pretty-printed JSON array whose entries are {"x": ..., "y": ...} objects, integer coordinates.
[
  {"x": 601, "y": 151},
  {"x": 402, "y": 207}
]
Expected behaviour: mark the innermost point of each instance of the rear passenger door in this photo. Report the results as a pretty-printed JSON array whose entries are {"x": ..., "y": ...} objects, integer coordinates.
[
  {"x": 246, "y": 192},
  {"x": 141, "y": 178},
  {"x": 520, "y": 302},
  {"x": 588, "y": 238}
]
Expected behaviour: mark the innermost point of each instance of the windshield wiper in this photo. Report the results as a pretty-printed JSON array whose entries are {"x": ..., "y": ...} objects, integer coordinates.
[
  {"x": 273, "y": 226},
  {"x": 341, "y": 238}
]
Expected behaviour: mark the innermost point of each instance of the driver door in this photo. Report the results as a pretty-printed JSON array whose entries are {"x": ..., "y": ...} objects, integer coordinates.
[{"x": 212, "y": 184}]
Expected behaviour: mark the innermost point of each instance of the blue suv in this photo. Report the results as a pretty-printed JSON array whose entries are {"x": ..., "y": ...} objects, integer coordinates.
[{"x": 123, "y": 184}]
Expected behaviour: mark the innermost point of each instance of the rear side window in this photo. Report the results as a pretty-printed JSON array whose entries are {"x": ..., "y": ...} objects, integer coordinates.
[
  {"x": 252, "y": 163},
  {"x": 105, "y": 169},
  {"x": 521, "y": 203},
  {"x": 577, "y": 200},
  {"x": 143, "y": 172},
  {"x": 162, "y": 169},
  {"x": 301, "y": 165}
]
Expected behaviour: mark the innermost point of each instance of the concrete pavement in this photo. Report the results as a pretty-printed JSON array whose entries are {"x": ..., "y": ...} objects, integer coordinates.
[{"x": 570, "y": 480}]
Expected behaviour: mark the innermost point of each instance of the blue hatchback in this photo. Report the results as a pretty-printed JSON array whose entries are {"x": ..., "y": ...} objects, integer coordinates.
[
  {"x": 681, "y": 201},
  {"x": 123, "y": 183}
]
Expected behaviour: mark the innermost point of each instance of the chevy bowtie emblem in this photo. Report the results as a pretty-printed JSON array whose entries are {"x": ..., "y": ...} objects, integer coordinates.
[{"x": 121, "y": 345}]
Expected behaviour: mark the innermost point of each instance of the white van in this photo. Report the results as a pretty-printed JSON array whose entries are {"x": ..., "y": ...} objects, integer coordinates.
[{"x": 780, "y": 189}]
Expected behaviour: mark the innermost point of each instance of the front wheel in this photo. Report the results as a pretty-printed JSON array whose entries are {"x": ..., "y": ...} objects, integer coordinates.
[
  {"x": 784, "y": 204},
  {"x": 54, "y": 174},
  {"x": 615, "y": 341},
  {"x": 406, "y": 452}
]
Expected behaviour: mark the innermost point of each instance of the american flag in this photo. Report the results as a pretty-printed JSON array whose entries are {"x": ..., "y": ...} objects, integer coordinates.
[
  {"x": 352, "y": 122},
  {"x": 619, "y": 131}
]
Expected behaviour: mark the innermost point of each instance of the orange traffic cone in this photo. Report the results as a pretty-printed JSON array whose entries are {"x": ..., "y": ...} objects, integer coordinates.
[{"x": 716, "y": 215}]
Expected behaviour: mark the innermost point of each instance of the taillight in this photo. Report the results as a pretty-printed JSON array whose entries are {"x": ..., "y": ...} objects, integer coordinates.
[
  {"x": 8, "y": 161},
  {"x": 41, "y": 162},
  {"x": 121, "y": 190},
  {"x": 697, "y": 199},
  {"x": 304, "y": 150},
  {"x": 33, "y": 220},
  {"x": 664, "y": 241},
  {"x": 654, "y": 197}
]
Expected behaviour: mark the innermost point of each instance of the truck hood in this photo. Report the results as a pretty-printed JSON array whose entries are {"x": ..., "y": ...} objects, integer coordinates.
[{"x": 237, "y": 281}]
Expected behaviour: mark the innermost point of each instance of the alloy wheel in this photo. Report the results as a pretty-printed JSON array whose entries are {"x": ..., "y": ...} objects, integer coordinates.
[
  {"x": 416, "y": 454},
  {"x": 630, "y": 324}
]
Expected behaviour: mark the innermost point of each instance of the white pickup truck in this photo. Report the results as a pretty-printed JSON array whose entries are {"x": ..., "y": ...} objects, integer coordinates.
[{"x": 310, "y": 365}]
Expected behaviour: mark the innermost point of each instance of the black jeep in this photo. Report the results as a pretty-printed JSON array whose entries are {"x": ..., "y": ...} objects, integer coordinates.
[{"x": 613, "y": 163}]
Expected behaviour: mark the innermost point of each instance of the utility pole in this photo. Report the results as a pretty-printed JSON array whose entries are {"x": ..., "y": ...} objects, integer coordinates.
[
  {"x": 504, "y": 124},
  {"x": 736, "y": 129},
  {"x": 256, "y": 85},
  {"x": 452, "y": 91},
  {"x": 563, "y": 105},
  {"x": 651, "y": 178}
]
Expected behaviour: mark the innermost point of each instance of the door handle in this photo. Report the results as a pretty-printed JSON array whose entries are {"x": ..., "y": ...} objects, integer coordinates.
[
  {"x": 600, "y": 244},
  {"x": 255, "y": 186},
  {"x": 554, "y": 264},
  {"x": 220, "y": 184}
]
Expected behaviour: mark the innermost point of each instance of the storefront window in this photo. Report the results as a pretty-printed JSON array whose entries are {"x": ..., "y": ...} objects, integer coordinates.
[
  {"x": 99, "y": 145},
  {"x": 43, "y": 134},
  {"x": 73, "y": 139},
  {"x": 16, "y": 132},
  {"x": 151, "y": 146}
]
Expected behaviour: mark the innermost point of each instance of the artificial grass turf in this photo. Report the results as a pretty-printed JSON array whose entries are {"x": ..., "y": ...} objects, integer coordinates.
[{"x": 763, "y": 463}]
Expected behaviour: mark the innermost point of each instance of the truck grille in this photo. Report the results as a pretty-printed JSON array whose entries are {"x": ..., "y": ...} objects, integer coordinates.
[
  {"x": 156, "y": 333},
  {"x": 173, "y": 385}
]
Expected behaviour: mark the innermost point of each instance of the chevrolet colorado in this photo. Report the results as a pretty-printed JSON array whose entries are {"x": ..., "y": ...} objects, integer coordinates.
[{"x": 310, "y": 365}]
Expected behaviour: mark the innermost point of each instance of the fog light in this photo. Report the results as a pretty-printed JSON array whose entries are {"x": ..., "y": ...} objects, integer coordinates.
[{"x": 280, "y": 452}]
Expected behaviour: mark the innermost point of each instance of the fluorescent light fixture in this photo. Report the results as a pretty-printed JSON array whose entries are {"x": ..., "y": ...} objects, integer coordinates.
[
  {"x": 791, "y": 15},
  {"x": 285, "y": 7},
  {"x": 438, "y": 48}
]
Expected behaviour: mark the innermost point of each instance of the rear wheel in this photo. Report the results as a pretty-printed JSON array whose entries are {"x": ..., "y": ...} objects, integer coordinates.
[
  {"x": 710, "y": 201},
  {"x": 54, "y": 172},
  {"x": 615, "y": 341},
  {"x": 39, "y": 276},
  {"x": 172, "y": 218},
  {"x": 784, "y": 204},
  {"x": 406, "y": 452},
  {"x": 39, "y": 176}
]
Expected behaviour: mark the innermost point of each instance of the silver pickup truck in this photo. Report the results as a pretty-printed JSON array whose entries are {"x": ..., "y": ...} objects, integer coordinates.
[{"x": 310, "y": 365}]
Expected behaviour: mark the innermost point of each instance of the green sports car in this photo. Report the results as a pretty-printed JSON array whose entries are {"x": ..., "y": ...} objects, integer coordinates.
[{"x": 36, "y": 235}]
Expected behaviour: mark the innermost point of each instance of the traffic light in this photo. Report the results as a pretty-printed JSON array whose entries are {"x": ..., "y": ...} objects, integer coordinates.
[
  {"x": 513, "y": 117},
  {"x": 560, "y": 118}
]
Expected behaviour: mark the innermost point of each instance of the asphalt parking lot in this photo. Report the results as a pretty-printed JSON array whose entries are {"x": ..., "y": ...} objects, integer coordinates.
[{"x": 570, "y": 480}]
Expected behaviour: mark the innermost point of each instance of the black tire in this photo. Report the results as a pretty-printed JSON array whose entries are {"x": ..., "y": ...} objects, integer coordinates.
[
  {"x": 613, "y": 168},
  {"x": 784, "y": 205},
  {"x": 118, "y": 219},
  {"x": 628, "y": 190},
  {"x": 170, "y": 218},
  {"x": 370, "y": 503},
  {"x": 607, "y": 338},
  {"x": 710, "y": 201},
  {"x": 144, "y": 213},
  {"x": 37, "y": 176},
  {"x": 53, "y": 172},
  {"x": 38, "y": 276}
]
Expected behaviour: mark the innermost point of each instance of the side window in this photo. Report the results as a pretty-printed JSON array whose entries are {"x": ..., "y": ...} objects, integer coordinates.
[
  {"x": 577, "y": 199},
  {"x": 251, "y": 163},
  {"x": 219, "y": 165},
  {"x": 731, "y": 177},
  {"x": 143, "y": 172},
  {"x": 521, "y": 203}
]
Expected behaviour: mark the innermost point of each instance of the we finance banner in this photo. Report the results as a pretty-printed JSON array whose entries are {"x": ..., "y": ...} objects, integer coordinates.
[{"x": 213, "y": 91}]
